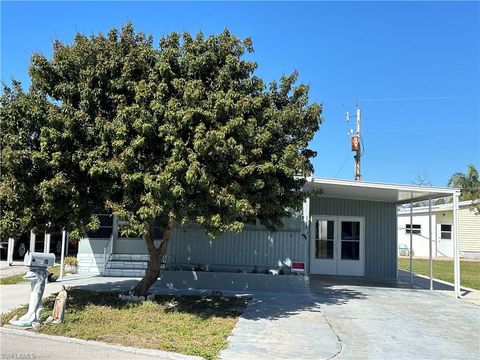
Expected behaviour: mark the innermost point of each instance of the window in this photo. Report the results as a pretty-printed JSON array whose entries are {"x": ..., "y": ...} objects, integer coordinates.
[
  {"x": 415, "y": 228},
  {"x": 105, "y": 229},
  {"x": 122, "y": 224},
  {"x": 351, "y": 230},
  {"x": 350, "y": 249},
  {"x": 445, "y": 231}
]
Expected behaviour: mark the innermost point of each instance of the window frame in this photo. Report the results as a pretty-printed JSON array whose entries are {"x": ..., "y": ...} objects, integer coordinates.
[
  {"x": 446, "y": 232},
  {"x": 417, "y": 229},
  {"x": 101, "y": 227}
]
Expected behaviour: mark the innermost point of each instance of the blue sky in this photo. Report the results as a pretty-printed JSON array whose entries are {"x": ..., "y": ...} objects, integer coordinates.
[{"x": 413, "y": 68}]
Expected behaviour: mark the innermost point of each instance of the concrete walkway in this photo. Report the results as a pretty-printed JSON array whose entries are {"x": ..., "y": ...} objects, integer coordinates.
[
  {"x": 16, "y": 295},
  {"x": 283, "y": 326},
  {"x": 16, "y": 269}
]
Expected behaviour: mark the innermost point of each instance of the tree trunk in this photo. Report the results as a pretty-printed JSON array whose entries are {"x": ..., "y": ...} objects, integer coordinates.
[{"x": 155, "y": 258}]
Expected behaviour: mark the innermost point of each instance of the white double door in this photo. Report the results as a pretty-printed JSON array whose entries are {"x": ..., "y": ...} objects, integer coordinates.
[{"x": 337, "y": 245}]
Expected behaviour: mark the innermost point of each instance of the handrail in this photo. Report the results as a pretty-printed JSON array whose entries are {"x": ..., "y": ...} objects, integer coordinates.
[{"x": 105, "y": 255}]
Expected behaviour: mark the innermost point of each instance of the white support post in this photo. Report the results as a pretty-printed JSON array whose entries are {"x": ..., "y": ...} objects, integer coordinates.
[
  {"x": 46, "y": 243},
  {"x": 114, "y": 232},
  {"x": 62, "y": 257},
  {"x": 396, "y": 246},
  {"x": 306, "y": 231},
  {"x": 430, "y": 272},
  {"x": 456, "y": 253},
  {"x": 411, "y": 240},
  {"x": 32, "y": 241},
  {"x": 306, "y": 215},
  {"x": 10, "y": 247}
]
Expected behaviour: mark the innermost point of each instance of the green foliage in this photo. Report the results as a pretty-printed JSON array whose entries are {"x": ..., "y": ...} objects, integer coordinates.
[
  {"x": 469, "y": 185},
  {"x": 181, "y": 133},
  {"x": 41, "y": 184},
  {"x": 443, "y": 270},
  {"x": 13, "y": 279}
]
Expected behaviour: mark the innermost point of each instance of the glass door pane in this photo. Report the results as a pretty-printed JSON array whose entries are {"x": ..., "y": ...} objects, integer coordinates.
[
  {"x": 350, "y": 240},
  {"x": 324, "y": 239}
]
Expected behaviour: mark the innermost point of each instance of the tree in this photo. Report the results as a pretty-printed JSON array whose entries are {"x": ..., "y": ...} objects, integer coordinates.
[
  {"x": 182, "y": 133},
  {"x": 469, "y": 185},
  {"x": 422, "y": 179},
  {"x": 41, "y": 186}
]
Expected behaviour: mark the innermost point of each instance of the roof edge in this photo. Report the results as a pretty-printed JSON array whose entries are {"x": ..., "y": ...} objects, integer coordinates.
[
  {"x": 439, "y": 207},
  {"x": 381, "y": 185}
]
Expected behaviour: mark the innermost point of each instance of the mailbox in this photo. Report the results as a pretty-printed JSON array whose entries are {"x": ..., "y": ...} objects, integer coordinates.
[{"x": 37, "y": 259}]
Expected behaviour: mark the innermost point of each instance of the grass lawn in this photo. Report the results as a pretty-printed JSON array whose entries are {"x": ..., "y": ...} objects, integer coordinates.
[
  {"x": 443, "y": 270},
  {"x": 192, "y": 325},
  {"x": 15, "y": 279}
]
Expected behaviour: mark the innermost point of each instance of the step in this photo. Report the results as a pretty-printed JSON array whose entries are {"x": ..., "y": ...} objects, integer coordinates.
[
  {"x": 115, "y": 264},
  {"x": 129, "y": 257},
  {"x": 124, "y": 272}
]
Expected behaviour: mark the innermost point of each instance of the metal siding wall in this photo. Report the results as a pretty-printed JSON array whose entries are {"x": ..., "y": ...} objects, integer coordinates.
[
  {"x": 254, "y": 246},
  {"x": 380, "y": 230}
]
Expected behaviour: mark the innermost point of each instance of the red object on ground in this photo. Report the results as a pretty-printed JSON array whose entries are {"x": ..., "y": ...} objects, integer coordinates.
[{"x": 298, "y": 266}]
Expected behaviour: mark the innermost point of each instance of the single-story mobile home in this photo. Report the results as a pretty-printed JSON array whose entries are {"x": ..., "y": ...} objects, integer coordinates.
[
  {"x": 349, "y": 229},
  {"x": 442, "y": 220}
]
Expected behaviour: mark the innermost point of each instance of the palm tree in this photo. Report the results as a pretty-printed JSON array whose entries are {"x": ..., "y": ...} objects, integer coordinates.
[{"x": 469, "y": 185}]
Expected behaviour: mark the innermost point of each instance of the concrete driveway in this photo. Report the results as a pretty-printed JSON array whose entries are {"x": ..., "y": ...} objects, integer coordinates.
[
  {"x": 351, "y": 319},
  {"x": 341, "y": 318}
]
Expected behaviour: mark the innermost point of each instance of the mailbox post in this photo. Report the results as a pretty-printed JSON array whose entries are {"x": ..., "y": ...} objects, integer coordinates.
[
  {"x": 37, "y": 273},
  {"x": 10, "y": 247}
]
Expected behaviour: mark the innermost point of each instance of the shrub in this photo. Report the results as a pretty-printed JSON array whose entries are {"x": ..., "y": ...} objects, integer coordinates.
[{"x": 70, "y": 260}]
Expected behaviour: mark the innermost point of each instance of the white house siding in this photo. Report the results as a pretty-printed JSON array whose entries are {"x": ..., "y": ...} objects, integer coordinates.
[
  {"x": 380, "y": 231},
  {"x": 469, "y": 233},
  {"x": 421, "y": 241}
]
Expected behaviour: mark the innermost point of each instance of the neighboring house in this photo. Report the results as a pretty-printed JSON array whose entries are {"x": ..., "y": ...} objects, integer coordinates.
[
  {"x": 442, "y": 220},
  {"x": 350, "y": 229}
]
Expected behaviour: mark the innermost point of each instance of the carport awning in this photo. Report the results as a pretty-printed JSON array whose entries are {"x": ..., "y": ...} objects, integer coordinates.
[
  {"x": 396, "y": 194},
  {"x": 364, "y": 190}
]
